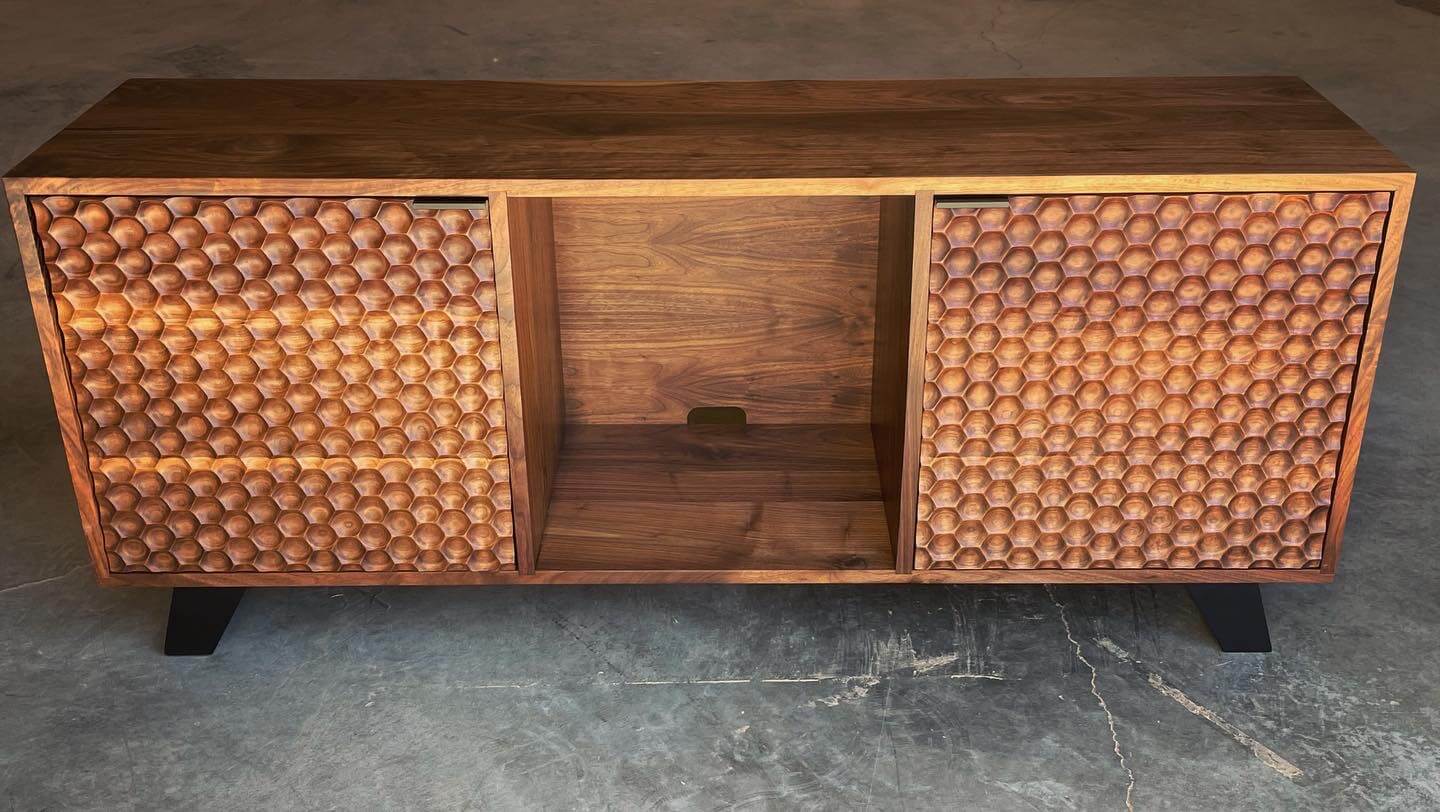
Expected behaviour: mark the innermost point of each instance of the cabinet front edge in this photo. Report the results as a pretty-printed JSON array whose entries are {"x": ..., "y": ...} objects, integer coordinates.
[{"x": 578, "y": 187}]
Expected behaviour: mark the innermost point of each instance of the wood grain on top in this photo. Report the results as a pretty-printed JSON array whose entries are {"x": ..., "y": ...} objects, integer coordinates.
[{"x": 334, "y": 129}]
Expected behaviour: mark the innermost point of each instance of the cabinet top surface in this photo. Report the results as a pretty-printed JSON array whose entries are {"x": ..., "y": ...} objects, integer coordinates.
[{"x": 342, "y": 129}]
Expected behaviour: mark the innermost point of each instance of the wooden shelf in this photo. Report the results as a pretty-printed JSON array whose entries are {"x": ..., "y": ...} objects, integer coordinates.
[{"x": 773, "y": 497}]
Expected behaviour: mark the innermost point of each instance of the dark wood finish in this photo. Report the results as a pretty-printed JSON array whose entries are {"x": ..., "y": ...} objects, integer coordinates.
[
  {"x": 720, "y": 280},
  {"x": 247, "y": 129},
  {"x": 667, "y": 304},
  {"x": 892, "y": 368},
  {"x": 199, "y": 616},
  {"x": 776, "y": 497},
  {"x": 716, "y": 536},
  {"x": 1235, "y": 615},
  {"x": 831, "y": 463},
  {"x": 530, "y": 345}
]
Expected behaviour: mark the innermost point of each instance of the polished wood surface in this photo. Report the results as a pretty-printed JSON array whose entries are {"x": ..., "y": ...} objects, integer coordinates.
[
  {"x": 1141, "y": 381},
  {"x": 500, "y": 131},
  {"x": 660, "y": 248},
  {"x": 668, "y": 304},
  {"x": 660, "y": 463},
  {"x": 760, "y": 535},
  {"x": 530, "y": 347},
  {"x": 647, "y": 497}
]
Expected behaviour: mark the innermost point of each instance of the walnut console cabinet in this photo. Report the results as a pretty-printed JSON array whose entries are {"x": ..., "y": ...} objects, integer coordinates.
[{"x": 1002, "y": 331}]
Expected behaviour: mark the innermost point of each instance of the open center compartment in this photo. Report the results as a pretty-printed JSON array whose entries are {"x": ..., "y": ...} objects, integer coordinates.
[{"x": 708, "y": 383}]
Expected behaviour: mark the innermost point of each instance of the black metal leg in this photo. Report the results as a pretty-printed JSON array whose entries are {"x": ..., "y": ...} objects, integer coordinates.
[
  {"x": 1235, "y": 615},
  {"x": 198, "y": 617}
]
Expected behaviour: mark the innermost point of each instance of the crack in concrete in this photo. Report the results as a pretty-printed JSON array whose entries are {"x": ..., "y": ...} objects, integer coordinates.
[
  {"x": 987, "y": 34},
  {"x": 1095, "y": 691},
  {"x": 38, "y": 581}
]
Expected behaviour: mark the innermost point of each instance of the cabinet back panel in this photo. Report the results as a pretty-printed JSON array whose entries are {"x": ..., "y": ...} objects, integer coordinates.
[{"x": 668, "y": 304}]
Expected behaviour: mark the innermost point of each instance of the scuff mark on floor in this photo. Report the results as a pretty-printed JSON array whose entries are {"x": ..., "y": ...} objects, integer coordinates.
[
  {"x": 899, "y": 655},
  {"x": 684, "y": 682},
  {"x": 868, "y": 679},
  {"x": 1267, "y": 756},
  {"x": 1095, "y": 691},
  {"x": 856, "y": 688},
  {"x": 1270, "y": 758}
]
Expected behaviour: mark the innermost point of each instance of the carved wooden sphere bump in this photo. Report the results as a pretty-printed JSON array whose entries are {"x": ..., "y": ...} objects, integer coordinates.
[
  {"x": 285, "y": 385},
  {"x": 1140, "y": 381}
]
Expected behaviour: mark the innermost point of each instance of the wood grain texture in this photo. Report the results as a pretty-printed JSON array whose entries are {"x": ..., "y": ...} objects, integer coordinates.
[
  {"x": 791, "y": 497},
  {"x": 892, "y": 362},
  {"x": 670, "y": 304},
  {"x": 1030, "y": 184},
  {"x": 655, "y": 463},
  {"x": 530, "y": 347},
  {"x": 317, "y": 129},
  {"x": 275, "y": 386},
  {"x": 760, "y": 295},
  {"x": 1374, "y": 330},
  {"x": 1141, "y": 381},
  {"x": 716, "y": 536}
]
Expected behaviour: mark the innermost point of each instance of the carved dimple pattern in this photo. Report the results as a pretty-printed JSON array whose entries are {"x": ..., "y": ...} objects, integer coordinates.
[
  {"x": 277, "y": 385},
  {"x": 1142, "y": 381}
]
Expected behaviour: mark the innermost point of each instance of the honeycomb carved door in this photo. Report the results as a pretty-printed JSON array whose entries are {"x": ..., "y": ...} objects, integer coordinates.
[
  {"x": 284, "y": 385},
  {"x": 1141, "y": 381}
]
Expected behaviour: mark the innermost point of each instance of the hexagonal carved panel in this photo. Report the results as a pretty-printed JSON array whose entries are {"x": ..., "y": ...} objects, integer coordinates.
[
  {"x": 277, "y": 385},
  {"x": 1142, "y": 381}
]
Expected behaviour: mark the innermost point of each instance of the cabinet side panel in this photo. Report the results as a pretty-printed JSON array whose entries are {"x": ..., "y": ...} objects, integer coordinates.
[
  {"x": 281, "y": 386},
  {"x": 52, "y": 350},
  {"x": 892, "y": 363},
  {"x": 534, "y": 380},
  {"x": 1142, "y": 381},
  {"x": 1384, "y": 287}
]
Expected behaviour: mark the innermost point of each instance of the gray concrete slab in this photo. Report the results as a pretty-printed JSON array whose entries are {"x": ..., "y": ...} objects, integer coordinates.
[{"x": 719, "y": 696}]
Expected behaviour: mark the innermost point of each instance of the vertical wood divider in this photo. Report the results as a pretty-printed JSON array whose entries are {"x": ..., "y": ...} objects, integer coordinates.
[
  {"x": 523, "y": 236},
  {"x": 889, "y": 392},
  {"x": 922, "y": 210},
  {"x": 915, "y": 378},
  {"x": 1364, "y": 383},
  {"x": 57, "y": 369}
]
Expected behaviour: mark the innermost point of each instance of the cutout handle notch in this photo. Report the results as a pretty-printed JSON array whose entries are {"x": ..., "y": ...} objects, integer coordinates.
[{"x": 716, "y": 416}]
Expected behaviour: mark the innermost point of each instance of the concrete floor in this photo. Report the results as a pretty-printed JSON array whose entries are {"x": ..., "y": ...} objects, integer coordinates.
[{"x": 703, "y": 697}]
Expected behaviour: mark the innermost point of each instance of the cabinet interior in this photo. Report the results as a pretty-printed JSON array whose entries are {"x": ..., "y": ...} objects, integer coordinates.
[{"x": 712, "y": 382}]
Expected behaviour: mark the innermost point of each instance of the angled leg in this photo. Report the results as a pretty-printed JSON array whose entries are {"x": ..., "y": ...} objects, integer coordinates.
[
  {"x": 1235, "y": 615},
  {"x": 198, "y": 617}
]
